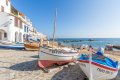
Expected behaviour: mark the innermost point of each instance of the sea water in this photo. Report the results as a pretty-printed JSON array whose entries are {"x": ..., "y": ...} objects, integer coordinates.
[{"x": 96, "y": 42}]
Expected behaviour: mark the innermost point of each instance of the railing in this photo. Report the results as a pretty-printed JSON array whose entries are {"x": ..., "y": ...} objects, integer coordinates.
[
  {"x": 14, "y": 11},
  {"x": 6, "y": 24}
]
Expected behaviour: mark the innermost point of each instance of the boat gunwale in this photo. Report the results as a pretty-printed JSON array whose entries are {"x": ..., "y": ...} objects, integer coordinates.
[
  {"x": 100, "y": 65},
  {"x": 59, "y": 53},
  {"x": 62, "y": 52}
]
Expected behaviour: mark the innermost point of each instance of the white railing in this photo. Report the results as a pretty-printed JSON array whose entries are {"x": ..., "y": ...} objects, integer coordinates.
[{"x": 6, "y": 24}]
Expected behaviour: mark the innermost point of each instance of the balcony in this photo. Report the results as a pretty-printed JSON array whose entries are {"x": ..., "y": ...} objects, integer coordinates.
[{"x": 14, "y": 11}]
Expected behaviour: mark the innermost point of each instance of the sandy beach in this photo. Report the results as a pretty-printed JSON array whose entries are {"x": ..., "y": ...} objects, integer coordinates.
[{"x": 22, "y": 65}]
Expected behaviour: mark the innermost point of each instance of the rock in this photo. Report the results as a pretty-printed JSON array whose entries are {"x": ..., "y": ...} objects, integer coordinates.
[
  {"x": 71, "y": 64},
  {"x": 65, "y": 66}
]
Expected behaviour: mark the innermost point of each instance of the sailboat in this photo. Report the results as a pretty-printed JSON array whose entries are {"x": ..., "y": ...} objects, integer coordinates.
[
  {"x": 97, "y": 67},
  {"x": 55, "y": 55}
]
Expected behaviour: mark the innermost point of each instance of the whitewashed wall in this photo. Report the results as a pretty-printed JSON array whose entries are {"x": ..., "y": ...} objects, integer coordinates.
[
  {"x": 7, "y": 23},
  {"x": 14, "y": 29},
  {"x": 6, "y": 7}
]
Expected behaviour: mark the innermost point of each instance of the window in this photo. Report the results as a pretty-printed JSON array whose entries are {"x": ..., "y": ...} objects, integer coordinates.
[
  {"x": 7, "y": 2},
  {"x": 5, "y": 35},
  {"x": 20, "y": 23},
  {"x": 2, "y": 9},
  {"x": 24, "y": 28},
  {"x": 27, "y": 29},
  {"x": 16, "y": 22}
]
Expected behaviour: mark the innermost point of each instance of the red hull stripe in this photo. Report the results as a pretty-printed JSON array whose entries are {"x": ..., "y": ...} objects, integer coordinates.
[
  {"x": 102, "y": 66},
  {"x": 48, "y": 63}
]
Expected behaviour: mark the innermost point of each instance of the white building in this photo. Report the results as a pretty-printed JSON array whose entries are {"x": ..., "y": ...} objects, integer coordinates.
[{"x": 14, "y": 25}]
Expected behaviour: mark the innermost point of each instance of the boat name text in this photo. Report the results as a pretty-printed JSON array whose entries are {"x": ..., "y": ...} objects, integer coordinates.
[{"x": 104, "y": 71}]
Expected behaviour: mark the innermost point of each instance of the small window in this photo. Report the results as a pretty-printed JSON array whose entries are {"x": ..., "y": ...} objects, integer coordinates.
[
  {"x": 24, "y": 28},
  {"x": 27, "y": 29},
  {"x": 5, "y": 35},
  {"x": 16, "y": 22},
  {"x": 20, "y": 23},
  {"x": 2, "y": 9}
]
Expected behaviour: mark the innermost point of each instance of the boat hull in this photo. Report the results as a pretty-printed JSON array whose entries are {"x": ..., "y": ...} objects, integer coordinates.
[
  {"x": 31, "y": 46},
  {"x": 14, "y": 47},
  {"x": 47, "y": 58},
  {"x": 48, "y": 63},
  {"x": 99, "y": 72}
]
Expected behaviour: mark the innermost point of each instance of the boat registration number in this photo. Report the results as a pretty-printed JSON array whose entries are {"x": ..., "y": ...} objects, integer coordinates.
[{"x": 104, "y": 71}]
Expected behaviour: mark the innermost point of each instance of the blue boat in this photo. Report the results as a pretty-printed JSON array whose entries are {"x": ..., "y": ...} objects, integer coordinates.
[
  {"x": 99, "y": 67},
  {"x": 13, "y": 46}
]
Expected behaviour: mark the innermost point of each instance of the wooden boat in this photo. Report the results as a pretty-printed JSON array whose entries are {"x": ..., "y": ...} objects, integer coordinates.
[
  {"x": 34, "y": 46},
  {"x": 98, "y": 68},
  {"x": 55, "y": 55},
  {"x": 59, "y": 56},
  {"x": 31, "y": 46}
]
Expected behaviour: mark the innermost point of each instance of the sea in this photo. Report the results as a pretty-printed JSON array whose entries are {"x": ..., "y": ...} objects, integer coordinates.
[{"x": 94, "y": 42}]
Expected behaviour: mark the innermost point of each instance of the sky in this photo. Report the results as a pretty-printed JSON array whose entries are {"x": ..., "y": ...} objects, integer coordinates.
[{"x": 75, "y": 18}]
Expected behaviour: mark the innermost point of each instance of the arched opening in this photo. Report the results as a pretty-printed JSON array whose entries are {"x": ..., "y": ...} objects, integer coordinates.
[
  {"x": 3, "y": 35},
  {"x": 20, "y": 37},
  {"x": 16, "y": 37}
]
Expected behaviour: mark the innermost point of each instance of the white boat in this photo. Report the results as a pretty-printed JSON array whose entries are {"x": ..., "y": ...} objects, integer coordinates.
[
  {"x": 54, "y": 55},
  {"x": 97, "y": 68},
  {"x": 84, "y": 46},
  {"x": 49, "y": 56}
]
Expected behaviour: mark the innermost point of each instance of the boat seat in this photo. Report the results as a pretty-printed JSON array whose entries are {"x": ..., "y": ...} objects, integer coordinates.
[
  {"x": 98, "y": 57},
  {"x": 112, "y": 63}
]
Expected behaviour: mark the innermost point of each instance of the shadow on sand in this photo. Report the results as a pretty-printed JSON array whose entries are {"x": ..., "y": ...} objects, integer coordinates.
[
  {"x": 36, "y": 56},
  {"x": 72, "y": 72},
  {"x": 25, "y": 66},
  {"x": 29, "y": 66}
]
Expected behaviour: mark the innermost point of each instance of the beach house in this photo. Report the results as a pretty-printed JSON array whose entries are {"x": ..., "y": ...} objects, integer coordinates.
[{"x": 14, "y": 25}]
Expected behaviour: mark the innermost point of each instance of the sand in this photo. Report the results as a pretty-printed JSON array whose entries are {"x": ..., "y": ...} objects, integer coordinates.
[{"x": 22, "y": 65}]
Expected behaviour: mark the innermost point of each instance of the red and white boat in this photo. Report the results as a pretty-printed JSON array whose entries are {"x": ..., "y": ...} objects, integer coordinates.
[
  {"x": 98, "y": 69},
  {"x": 49, "y": 56},
  {"x": 54, "y": 55}
]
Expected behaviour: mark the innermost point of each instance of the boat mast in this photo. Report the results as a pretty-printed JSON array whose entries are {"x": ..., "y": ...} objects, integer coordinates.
[
  {"x": 54, "y": 28},
  {"x": 90, "y": 63}
]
